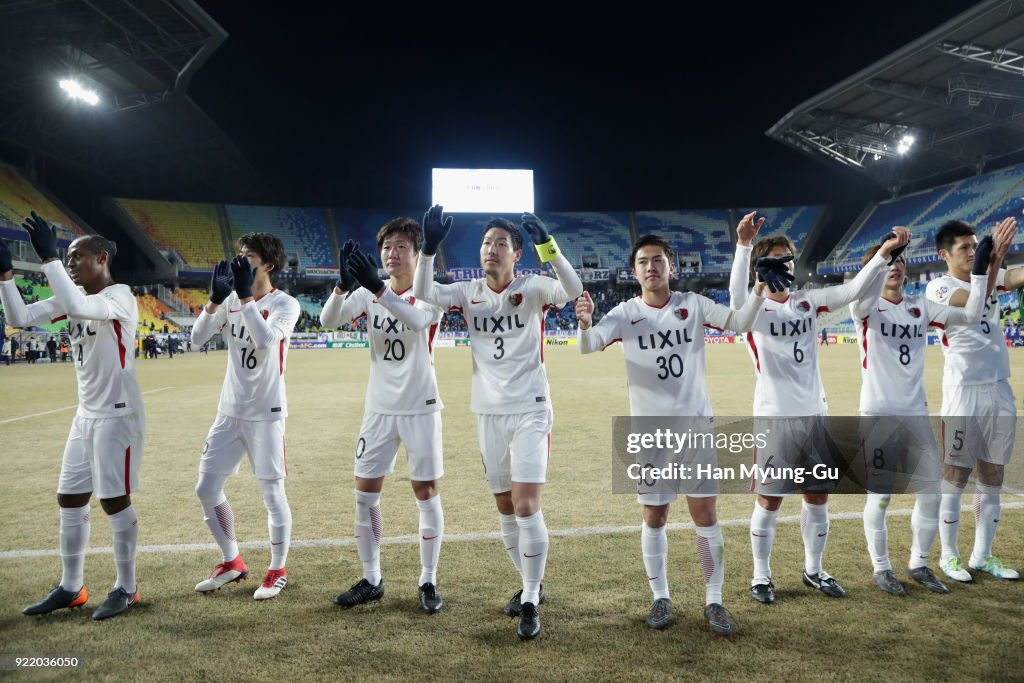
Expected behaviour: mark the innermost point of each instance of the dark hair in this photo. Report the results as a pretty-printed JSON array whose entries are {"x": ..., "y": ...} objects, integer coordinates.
[
  {"x": 269, "y": 247},
  {"x": 870, "y": 253},
  {"x": 650, "y": 241},
  {"x": 947, "y": 234},
  {"x": 766, "y": 244},
  {"x": 407, "y": 227},
  {"x": 97, "y": 245},
  {"x": 509, "y": 227}
]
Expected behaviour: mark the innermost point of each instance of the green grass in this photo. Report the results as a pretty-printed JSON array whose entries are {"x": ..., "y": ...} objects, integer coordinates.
[{"x": 598, "y": 596}]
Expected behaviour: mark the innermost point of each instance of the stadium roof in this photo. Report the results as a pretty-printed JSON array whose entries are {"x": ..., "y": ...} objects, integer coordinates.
[
  {"x": 958, "y": 91},
  {"x": 145, "y": 136}
]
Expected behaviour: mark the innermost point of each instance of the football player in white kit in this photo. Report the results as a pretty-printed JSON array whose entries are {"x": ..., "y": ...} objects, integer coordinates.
[
  {"x": 784, "y": 349},
  {"x": 402, "y": 401},
  {"x": 896, "y": 434},
  {"x": 510, "y": 393},
  {"x": 256, "y": 321},
  {"x": 979, "y": 413},
  {"x": 662, "y": 335},
  {"x": 104, "y": 449}
]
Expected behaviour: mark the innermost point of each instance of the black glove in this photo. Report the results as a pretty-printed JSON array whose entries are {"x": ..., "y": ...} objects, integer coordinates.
[
  {"x": 221, "y": 283},
  {"x": 435, "y": 228},
  {"x": 897, "y": 252},
  {"x": 5, "y": 259},
  {"x": 346, "y": 282},
  {"x": 774, "y": 272},
  {"x": 44, "y": 239},
  {"x": 982, "y": 256},
  {"x": 244, "y": 275},
  {"x": 535, "y": 228},
  {"x": 364, "y": 270}
]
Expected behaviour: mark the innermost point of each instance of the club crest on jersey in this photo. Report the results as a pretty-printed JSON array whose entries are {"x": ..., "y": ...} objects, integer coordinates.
[
  {"x": 682, "y": 313},
  {"x": 516, "y": 298},
  {"x": 266, "y": 314},
  {"x": 916, "y": 312},
  {"x": 804, "y": 306}
]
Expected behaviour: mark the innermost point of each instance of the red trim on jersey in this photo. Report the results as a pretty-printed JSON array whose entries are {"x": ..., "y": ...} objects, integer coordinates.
[
  {"x": 891, "y": 301},
  {"x": 361, "y": 315},
  {"x": 549, "y": 448},
  {"x": 127, "y": 470},
  {"x": 1001, "y": 288},
  {"x": 757, "y": 358},
  {"x": 652, "y": 305},
  {"x": 455, "y": 308},
  {"x": 120, "y": 344},
  {"x": 430, "y": 338},
  {"x": 945, "y": 342},
  {"x": 610, "y": 343},
  {"x": 57, "y": 320},
  {"x": 543, "y": 314},
  {"x": 713, "y": 327},
  {"x": 402, "y": 292},
  {"x": 499, "y": 291},
  {"x": 864, "y": 336},
  {"x": 821, "y": 309},
  {"x": 936, "y": 323},
  {"x": 284, "y": 449},
  {"x": 778, "y": 302},
  {"x": 280, "y": 360},
  {"x": 272, "y": 290}
]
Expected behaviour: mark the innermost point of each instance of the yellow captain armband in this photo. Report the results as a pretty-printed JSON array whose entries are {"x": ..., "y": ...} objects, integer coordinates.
[{"x": 548, "y": 251}]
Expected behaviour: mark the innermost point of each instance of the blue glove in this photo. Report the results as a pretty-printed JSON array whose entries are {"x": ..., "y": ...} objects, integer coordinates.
[
  {"x": 44, "y": 239},
  {"x": 774, "y": 272},
  {"x": 243, "y": 275},
  {"x": 982, "y": 256},
  {"x": 6, "y": 264},
  {"x": 898, "y": 251},
  {"x": 346, "y": 282},
  {"x": 221, "y": 283},
  {"x": 435, "y": 228},
  {"x": 535, "y": 228},
  {"x": 364, "y": 270}
]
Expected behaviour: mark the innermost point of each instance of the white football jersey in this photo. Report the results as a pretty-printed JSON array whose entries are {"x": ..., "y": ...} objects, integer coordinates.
[
  {"x": 103, "y": 350},
  {"x": 975, "y": 354},
  {"x": 664, "y": 350},
  {"x": 506, "y": 330},
  {"x": 892, "y": 337},
  {"x": 402, "y": 379},
  {"x": 254, "y": 386},
  {"x": 784, "y": 342}
]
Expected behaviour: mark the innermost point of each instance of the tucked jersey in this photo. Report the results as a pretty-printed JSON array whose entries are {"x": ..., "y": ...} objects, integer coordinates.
[
  {"x": 103, "y": 350},
  {"x": 974, "y": 354},
  {"x": 892, "y": 338},
  {"x": 402, "y": 378},
  {"x": 254, "y": 387},
  {"x": 664, "y": 350}
]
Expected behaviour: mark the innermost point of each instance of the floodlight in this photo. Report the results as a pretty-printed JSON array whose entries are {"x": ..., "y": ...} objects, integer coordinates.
[
  {"x": 906, "y": 142},
  {"x": 77, "y": 91}
]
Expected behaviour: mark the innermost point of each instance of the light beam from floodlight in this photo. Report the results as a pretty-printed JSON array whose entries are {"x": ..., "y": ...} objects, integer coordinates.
[{"x": 77, "y": 91}]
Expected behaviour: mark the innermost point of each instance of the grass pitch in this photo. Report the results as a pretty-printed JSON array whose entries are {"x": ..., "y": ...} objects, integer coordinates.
[{"x": 597, "y": 594}]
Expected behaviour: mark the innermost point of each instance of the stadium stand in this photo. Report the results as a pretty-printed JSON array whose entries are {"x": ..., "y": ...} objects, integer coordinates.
[
  {"x": 795, "y": 222},
  {"x": 193, "y": 299},
  {"x": 19, "y": 197},
  {"x": 979, "y": 201},
  {"x": 152, "y": 311},
  {"x": 303, "y": 231},
  {"x": 192, "y": 231},
  {"x": 363, "y": 226},
  {"x": 604, "y": 235},
  {"x": 704, "y": 232}
]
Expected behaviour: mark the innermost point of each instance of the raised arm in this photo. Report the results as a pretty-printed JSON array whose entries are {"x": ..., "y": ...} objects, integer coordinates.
[
  {"x": 970, "y": 314},
  {"x": 279, "y": 325},
  {"x": 596, "y": 337},
  {"x": 866, "y": 281},
  {"x": 569, "y": 284}
]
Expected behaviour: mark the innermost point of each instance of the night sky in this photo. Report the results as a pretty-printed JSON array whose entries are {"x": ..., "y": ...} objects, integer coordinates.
[{"x": 653, "y": 108}]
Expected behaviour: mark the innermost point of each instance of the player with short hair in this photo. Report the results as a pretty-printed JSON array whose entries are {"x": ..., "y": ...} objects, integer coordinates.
[
  {"x": 789, "y": 396},
  {"x": 979, "y": 412},
  {"x": 104, "y": 449},
  {"x": 402, "y": 401},
  {"x": 510, "y": 395},
  {"x": 896, "y": 434},
  {"x": 256, "y": 321},
  {"x": 668, "y": 378}
]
